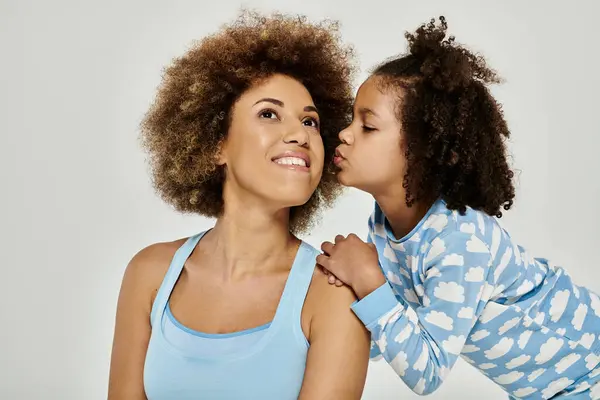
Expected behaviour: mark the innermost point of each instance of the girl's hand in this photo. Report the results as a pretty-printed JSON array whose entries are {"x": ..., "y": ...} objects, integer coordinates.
[{"x": 353, "y": 262}]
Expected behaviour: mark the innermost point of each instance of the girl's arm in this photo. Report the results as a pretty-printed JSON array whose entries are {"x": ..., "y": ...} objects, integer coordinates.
[
  {"x": 338, "y": 356},
  {"x": 423, "y": 342}
]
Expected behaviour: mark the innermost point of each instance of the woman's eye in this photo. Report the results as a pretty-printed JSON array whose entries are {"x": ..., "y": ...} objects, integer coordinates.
[
  {"x": 367, "y": 128},
  {"x": 268, "y": 114},
  {"x": 311, "y": 122}
]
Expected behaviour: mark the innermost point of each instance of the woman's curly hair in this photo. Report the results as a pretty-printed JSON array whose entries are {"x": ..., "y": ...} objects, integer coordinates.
[
  {"x": 454, "y": 130},
  {"x": 190, "y": 117}
]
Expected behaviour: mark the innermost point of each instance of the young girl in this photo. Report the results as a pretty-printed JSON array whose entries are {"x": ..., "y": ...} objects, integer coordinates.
[
  {"x": 242, "y": 130},
  {"x": 439, "y": 277}
]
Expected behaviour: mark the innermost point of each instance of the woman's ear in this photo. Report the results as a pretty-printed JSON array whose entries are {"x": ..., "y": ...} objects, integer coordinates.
[{"x": 220, "y": 155}]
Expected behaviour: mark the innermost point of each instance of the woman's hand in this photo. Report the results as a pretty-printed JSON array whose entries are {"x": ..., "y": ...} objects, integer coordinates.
[{"x": 353, "y": 262}]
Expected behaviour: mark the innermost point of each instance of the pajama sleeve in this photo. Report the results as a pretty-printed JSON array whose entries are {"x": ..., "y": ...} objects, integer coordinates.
[
  {"x": 422, "y": 342},
  {"x": 375, "y": 352}
]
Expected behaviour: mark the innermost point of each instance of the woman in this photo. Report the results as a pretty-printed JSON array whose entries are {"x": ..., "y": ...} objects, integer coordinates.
[
  {"x": 242, "y": 129},
  {"x": 427, "y": 141}
]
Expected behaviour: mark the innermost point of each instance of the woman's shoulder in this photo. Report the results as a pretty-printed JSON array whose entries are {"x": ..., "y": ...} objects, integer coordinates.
[
  {"x": 148, "y": 267},
  {"x": 325, "y": 300},
  {"x": 321, "y": 292},
  {"x": 153, "y": 257}
]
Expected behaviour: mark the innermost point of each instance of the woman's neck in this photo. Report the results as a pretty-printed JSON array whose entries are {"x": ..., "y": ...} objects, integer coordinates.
[{"x": 250, "y": 239}]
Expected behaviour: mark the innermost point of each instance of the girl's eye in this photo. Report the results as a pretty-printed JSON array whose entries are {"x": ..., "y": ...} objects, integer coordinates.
[
  {"x": 368, "y": 128},
  {"x": 312, "y": 122},
  {"x": 268, "y": 114}
]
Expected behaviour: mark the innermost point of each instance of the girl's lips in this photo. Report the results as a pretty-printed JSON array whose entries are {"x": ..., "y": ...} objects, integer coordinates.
[{"x": 339, "y": 157}]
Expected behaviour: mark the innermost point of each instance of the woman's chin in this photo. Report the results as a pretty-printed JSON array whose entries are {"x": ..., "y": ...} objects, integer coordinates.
[{"x": 290, "y": 200}]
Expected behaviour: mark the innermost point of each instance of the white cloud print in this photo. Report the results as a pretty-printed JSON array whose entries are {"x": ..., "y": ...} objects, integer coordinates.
[
  {"x": 587, "y": 340},
  {"x": 525, "y": 287},
  {"x": 508, "y": 325},
  {"x": 475, "y": 274},
  {"x": 415, "y": 238},
  {"x": 579, "y": 317},
  {"x": 470, "y": 348},
  {"x": 382, "y": 342},
  {"x": 509, "y": 378},
  {"x": 559, "y": 304},
  {"x": 481, "y": 223},
  {"x": 389, "y": 253},
  {"x": 491, "y": 311},
  {"x": 524, "y": 391},
  {"x": 421, "y": 363},
  {"x": 437, "y": 222},
  {"x": 400, "y": 364},
  {"x": 566, "y": 362},
  {"x": 518, "y": 361},
  {"x": 433, "y": 272},
  {"x": 450, "y": 291},
  {"x": 500, "y": 349},
  {"x": 466, "y": 313},
  {"x": 536, "y": 374},
  {"x": 398, "y": 246},
  {"x": 404, "y": 334},
  {"x": 380, "y": 230},
  {"x": 454, "y": 260},
  {"x": 393, "y": 278},
  {"x": 475, "y": 245},
  {"x": 454, "y": 344},
  {"x": 420, "y": 290},
  {"x": 524, "y": 339},
  {"x": 481, "y": 334},
  {"x": 467, "y": 227},
  {"x": 438, "y": 247},
  {"x": 440, "y": 319},
  {"x": 549, "y": 350},
  {"x": 591, "y": 361},
  {"x": 420, "y": 386},
  {"x": 556, "y": 386},
  {"x": 413, "y": 263},
  {"x": 410, "y": 296}
]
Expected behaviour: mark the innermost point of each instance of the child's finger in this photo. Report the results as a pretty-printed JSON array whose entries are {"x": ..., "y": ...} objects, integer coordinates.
[
  {"x": 331, "y": 279},
  {"x": 339, "y": 283}
]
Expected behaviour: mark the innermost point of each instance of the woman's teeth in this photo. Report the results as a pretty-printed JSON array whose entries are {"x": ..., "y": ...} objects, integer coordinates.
[{"x": 291, "y": 161}]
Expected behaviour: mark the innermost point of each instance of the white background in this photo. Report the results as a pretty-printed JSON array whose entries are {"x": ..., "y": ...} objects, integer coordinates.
[{"x": 76, "y": 203}]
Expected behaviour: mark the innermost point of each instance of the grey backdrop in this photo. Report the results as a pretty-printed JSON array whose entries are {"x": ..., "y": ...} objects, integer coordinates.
[{"x": 76, "y": 204}]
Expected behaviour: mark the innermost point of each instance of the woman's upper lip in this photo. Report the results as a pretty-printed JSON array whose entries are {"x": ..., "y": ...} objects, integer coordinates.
[
  {"x": 297, "y": 154},
  {"x": 338, "y": 152}
]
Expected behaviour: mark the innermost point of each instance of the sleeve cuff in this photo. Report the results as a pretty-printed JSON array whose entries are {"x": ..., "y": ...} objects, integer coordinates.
[{"x": 375, "y": 305}]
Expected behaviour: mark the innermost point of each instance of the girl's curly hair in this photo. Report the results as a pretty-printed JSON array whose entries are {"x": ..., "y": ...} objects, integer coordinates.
[
  {"x": 190, "y": 117},
  {"x": 454, "y": 130}
]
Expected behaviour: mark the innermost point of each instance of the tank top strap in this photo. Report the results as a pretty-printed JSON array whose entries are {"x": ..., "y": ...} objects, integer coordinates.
[
  {"x": 172, "y": 275},
  {"x": 298, "y": 283}
]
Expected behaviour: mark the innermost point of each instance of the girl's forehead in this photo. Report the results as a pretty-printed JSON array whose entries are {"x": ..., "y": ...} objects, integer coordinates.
[{"x": 372, "y": 99}]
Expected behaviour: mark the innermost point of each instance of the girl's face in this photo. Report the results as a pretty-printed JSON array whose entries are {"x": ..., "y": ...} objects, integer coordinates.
[
  {"x": 273, "y": 150},
  {"x": 371, "y": 156}
]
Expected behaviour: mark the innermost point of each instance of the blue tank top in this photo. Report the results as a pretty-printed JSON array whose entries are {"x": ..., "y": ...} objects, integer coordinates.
[{"x": 266, "y": 362}]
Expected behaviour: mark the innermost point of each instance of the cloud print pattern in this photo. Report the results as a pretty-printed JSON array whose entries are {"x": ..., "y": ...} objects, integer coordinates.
[{"x": 459, "y": 286}]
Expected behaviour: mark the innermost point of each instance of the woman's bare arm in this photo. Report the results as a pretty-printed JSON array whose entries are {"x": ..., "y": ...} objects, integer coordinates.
[
  {"x": 338, "y": 356},
  {"x": 142, "y": 278}
]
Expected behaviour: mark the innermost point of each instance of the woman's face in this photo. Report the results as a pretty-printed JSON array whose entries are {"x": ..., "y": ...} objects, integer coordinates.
[
  {"x": 371, "y": 156},
  {"x": 274, "y": 149}
]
